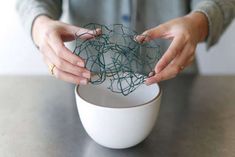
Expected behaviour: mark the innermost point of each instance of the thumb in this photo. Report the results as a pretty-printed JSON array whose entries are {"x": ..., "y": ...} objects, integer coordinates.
[
  {"x": 73, "y": 32},
  {"x": 153, "y": 33}
]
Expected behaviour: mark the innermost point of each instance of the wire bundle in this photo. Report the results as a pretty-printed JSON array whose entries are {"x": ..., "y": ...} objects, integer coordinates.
[{"x": 115, "y": 55}]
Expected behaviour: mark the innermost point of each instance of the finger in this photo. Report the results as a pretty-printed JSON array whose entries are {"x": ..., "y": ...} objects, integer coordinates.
[
  {"x": 66, "y": 76},
  {"x": 187, "y": 54},
  {"x": 63, "y": 52},
  {"x": 157, "y": 32},
  {"x": 167, "y": 73},
  {"x": 82, "y": 32},
  {"x": 139, "y": 38},
  {"x": 89, "y": 35},
  {"x": 70, "y": 32},
  {"x": 175, "y": 48},
  {"x": 172, "y": 69},
  {"x": 190, "y": 61},
  {"x": 64, "y": 65}
]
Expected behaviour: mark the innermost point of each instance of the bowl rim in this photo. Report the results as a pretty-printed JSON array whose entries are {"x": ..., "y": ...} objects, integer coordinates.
[{"x": 158, "y": 96}]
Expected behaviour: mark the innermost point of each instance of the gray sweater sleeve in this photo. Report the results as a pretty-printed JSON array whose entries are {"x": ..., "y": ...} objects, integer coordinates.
[
  {"x": 29, "y": 10},
  {"x": 220, "y": 14}
]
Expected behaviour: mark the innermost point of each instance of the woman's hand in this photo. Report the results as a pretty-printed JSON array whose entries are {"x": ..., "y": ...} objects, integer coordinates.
[
  {"x": 49, "y": 36},
  {"x": 185, "y": 32}
]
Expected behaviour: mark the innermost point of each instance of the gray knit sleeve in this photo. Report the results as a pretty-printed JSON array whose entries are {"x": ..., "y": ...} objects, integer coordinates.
[
  {"x": 220, "y": 13},
  {"x": 30, "y": 9}
]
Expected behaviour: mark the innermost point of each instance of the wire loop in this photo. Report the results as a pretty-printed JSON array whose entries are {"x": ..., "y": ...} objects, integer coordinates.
[{"x": 116, "y": 55}]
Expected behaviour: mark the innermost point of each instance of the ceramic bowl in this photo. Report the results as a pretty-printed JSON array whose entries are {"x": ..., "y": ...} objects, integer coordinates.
[{"x": 116, "y": 121}]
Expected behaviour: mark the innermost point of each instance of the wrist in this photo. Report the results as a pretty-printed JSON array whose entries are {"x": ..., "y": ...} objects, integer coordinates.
[
  {"x": 200, "y": 22},
  {"x": 37, "y": 26}
]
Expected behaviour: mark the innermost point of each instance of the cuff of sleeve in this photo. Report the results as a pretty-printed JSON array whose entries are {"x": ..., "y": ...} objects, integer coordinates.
[{"x": 215, "y": 20}]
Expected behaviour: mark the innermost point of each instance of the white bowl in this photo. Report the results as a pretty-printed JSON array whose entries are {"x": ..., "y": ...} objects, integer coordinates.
[{"x": 117, "y": 121}]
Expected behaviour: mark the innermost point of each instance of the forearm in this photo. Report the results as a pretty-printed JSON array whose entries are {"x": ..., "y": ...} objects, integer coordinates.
[
  {"x": 29, "y": 10},
  {"x": 219, "y": 14}
]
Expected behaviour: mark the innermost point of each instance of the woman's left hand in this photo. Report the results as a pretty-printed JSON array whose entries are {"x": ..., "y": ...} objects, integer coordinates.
[{"x": 185, "y": 32}]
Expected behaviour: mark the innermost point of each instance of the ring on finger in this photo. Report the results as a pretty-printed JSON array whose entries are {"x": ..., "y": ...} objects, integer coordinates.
[{"x": 51, "y": 69}]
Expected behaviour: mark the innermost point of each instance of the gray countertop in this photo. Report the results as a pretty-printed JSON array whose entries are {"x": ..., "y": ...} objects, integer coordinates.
[{"x": 38, "y": 118}]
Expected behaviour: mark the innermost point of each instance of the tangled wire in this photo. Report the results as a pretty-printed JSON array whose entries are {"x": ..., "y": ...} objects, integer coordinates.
[{"x": 115, "y": 55}]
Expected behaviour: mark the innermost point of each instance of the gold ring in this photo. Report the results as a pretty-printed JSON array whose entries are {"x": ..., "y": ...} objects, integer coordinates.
[{"x": 51, "y": 68}]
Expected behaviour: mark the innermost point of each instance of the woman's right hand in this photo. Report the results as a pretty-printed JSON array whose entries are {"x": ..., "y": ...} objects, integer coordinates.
[{"x": 49, "y": 35}]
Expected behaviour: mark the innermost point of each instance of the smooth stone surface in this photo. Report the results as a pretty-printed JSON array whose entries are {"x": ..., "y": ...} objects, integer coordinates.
[{"x": 38, "y": 118}]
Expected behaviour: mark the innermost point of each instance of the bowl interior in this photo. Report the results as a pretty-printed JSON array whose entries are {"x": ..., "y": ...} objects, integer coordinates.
[{"x": 101, "y": 96}]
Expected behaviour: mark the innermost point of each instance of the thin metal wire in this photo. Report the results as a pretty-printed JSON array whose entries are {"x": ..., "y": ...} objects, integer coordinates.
[{"x": 115, "y": 55}]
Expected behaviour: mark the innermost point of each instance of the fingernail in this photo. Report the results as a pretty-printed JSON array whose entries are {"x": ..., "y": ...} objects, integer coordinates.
[
  {"x": 81, "y": 64},
  {"x": 152, "y": 73},
  {"x": 147, "y": 83},
  {"x": 86, "y": 74},
  {"x": 97, "y": 31},
  {"x": 139, "y": 38},
  {"x": 83, "y": 82}
]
